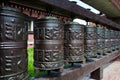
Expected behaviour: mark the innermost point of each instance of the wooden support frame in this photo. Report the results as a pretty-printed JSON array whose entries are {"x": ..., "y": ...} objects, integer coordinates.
[
  {"x": 77, "y": 10},
  {"x": 77, "y": 72},
  {"x": 68, "y": 9},
  {"x": 97, "y": 74}
]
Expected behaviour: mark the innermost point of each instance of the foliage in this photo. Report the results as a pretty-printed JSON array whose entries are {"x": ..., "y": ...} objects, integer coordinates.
[{"x": 31, "y": 69}]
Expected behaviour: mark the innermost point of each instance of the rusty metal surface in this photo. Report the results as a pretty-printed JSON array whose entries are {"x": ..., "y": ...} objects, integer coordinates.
[
  {"x": 13, "y": 44},
  {"x": 73, "y": 42},
  {"x": 90, "y": 41},
  {"x": 48, "y": 35}
]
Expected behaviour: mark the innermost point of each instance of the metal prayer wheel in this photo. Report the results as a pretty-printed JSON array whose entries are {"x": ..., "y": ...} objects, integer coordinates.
[
  {"x": 13, "y": 44},
  {"x": 113, "y": 39},
  {"x": 90, "y": 41},
  {"x": 117, "y": 40},
  {"x": 48, "y": 51},
  {"x": 73, "y": 42},
  {"x": 100, "y": 40},
  {"x": 107, "y": 41}
]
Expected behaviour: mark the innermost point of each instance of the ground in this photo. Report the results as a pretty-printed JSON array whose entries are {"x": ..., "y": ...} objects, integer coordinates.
[{"x": 112, "y": 71}]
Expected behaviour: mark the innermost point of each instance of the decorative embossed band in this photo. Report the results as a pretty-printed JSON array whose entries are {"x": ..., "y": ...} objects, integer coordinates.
[{"x": 10, "y": 45}]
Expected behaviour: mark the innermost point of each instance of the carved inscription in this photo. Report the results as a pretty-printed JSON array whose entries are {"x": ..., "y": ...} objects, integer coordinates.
[
  {"x": 13, "y": 45},
  {"x": 48, "y": 44},
  {"x": 91, "y": 42},
  {"x": 49, "y": 33},
  {"x": 73, "y": 42},
  {"x": 48, "y": 58},
  {"x": 14, "y": 31},
  {"x": 12, "y": 63},
  {"x": 100, "y": 40}
]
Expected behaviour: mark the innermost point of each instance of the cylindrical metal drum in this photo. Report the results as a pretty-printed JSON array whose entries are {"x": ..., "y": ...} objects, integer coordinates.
[
  {"x": 117, "y": 40},
  {"x": 107, "y": 41},
  {"x": 90, "y": 41},
  {"x": 100, "y": 40},
  {"x": 13, "y": 44},
  {"x": 73, "y": 42},
  {"x": 48, "y": 52},
  {"x": 113, "y": 39}
]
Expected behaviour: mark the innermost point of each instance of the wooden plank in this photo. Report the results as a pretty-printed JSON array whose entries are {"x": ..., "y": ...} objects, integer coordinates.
[
  {"x": 69, "y": 9},
  {"x": 72, "y": 8},
  {"x": 77, "y": 72}
]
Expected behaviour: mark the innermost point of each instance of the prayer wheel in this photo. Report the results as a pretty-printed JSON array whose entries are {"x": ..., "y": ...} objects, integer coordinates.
[
  {"x": 48, "y": 47},
  {"x": 117, "y": 40},
  {"x": 100, "y": 40},
  {"x": 113, "y": 40},
  {"x": 90, "y": 42},
  {"x": 73, "y": 42},
  {"x": 13, "y": 44},
  {"x": 107, "y": 41}
]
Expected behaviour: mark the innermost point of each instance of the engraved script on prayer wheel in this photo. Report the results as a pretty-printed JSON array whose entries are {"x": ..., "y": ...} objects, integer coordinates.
[
  {"x": 107, "y": 41},
  {"x": 113, "y": 40},
  {"x": 100, "y": 40},
  {"x": 117, "y": 40},
  {"x": 48, "y": 35},
  {"x": 13, "y": 44},
  {"x": 90, "y": 42},
  {"x": 73, "y": 42}
]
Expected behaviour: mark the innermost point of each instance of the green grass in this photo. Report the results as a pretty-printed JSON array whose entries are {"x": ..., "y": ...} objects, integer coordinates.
[
  {"x": 30, "y": 62},
  {"x": 31, "y": 71}
]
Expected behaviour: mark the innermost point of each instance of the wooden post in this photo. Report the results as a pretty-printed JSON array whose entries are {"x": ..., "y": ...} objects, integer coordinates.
[{"x": 97, "y": 74}]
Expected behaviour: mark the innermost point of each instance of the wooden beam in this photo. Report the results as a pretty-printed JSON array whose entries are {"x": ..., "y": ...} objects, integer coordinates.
[
  {"x": 68, "y": 9},
  {"x": 80, "y": 12},
  {"x": 97, "y": 74},
  {"x": 77, "y": 72}
]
